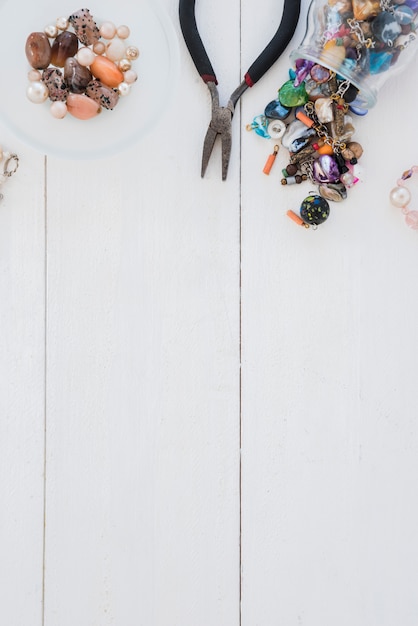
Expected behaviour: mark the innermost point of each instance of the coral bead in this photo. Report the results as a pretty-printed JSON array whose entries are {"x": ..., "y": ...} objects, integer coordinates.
[
  {"x": 106, "y": 71},
  {"x": 82, "y": 107}
]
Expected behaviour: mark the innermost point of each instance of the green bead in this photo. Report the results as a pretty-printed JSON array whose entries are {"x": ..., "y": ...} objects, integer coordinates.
[{"x": 291, "y": 96}]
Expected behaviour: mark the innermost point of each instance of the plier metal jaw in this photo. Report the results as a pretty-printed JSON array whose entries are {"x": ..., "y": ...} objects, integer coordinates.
[{"x": 220, "y": 124}]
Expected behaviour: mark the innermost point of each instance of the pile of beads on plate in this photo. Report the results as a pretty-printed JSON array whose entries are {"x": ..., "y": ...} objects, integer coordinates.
[
  {"x": 310, "y": 118},
  {"x": 79, "y": 66},
  {"x": 10, "y": 164}
]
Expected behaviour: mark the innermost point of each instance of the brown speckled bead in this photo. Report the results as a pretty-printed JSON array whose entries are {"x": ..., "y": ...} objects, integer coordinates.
[
  {"x": 105, "y": 96},
  {"x": 57, "y": 87},
  {"x": 85, "y": 27}
]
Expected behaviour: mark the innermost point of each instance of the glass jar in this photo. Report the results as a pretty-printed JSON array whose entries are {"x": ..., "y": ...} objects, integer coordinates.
[{"x": 363, "y": 41}]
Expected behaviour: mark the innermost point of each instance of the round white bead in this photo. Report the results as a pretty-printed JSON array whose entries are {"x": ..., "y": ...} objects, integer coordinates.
[
  {"x": 85, "y": 56},
  {"x": 34, "y": 75},
  {"x": 115, "y": 50},
  {"x": 51, "y": 31},
  {"x": 58, "y": 110},
  {"x": 37, "y": 92},
  {"x": 400, "y": 196},
  {"x": 130, "y": 77},
  {"x": 107, "y": 30},
  {"x": 62, "y": 23},
  {"x": 123, "y": 31},
  {"x": 124, "y": 88}
]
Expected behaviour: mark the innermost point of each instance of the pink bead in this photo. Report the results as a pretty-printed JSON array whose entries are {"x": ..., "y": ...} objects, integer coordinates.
[{"x": 412, "y": 219}]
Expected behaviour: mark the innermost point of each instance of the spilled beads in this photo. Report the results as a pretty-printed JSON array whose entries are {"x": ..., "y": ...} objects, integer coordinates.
[{"x": 79, "y": 66}]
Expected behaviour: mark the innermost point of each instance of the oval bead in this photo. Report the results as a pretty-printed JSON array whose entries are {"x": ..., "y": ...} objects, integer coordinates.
[
  {"x": 82, "y": 107},
  {"x": 106, "y": 71},
  {"x": 103, "y": 95},
  {"x": 76, "y": 76},
  {"x": 291, "y": 96},
  {"x": 276, "y": 110},
  {"x": 38, "y": 51},
  {"x": 64, "y": 47}
]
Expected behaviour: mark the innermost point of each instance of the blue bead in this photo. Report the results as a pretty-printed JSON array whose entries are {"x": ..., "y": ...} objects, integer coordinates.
[
  {"x": 380, "y": 62},
  {"x": 275, "y": 110}
]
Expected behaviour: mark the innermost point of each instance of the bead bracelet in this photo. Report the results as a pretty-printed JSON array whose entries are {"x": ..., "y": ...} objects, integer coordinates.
[
  {"x": 400, "y": 197},
  {"x": 11, "y": 163}
]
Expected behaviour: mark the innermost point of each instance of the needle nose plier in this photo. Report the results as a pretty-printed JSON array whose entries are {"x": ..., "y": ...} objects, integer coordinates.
[{"x": 221, "y": 120}]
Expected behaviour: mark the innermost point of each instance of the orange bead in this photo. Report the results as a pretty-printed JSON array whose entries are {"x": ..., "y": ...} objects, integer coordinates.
[
  {"x": 304, "y": 119},
  {"x": 82, "y": 107},
  {"x": 293, "y": 216},
  {"x": 325, "y": 149},
  {"x": 106, "y": 71}
]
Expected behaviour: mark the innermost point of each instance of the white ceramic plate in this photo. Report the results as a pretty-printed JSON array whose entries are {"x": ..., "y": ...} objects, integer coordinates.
[{"x": 111, "y": 131}]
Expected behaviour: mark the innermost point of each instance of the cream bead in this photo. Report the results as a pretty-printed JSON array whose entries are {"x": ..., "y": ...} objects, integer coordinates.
[
  {"x": 62, "y": 23},
  {"x": 130, "y": 77},
  {"x": 51, "y": 31},
  {"x": 115, "y": 50},
  {"x": 124, "y": 88},
  {"x": 58, "y": 110},
  {"x": 123, "y": 32},
  {"x": 107, "y": 30},
  {"x": 400, "y": 197},
  {"x": 85, "y": 56},
  {"x": 132, "y": 53},
  {"x": 34, "y": 75},
  {"x": 37, "y": 92}
]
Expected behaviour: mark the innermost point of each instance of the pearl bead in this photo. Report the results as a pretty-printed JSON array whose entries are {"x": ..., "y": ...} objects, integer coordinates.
[
  {"x": 58, "y": 110},
  {"x": 124, "y": 88},
  {"x": 107, "y": 30},
  {"x": 124, "y": 65},
  {"x": 37, "y": 92},
  {"x": 123, "y": 32},
  {"x": 347, "y": 179},
  {"x": 400, "y": 196},
  {"x": 51, "y": 31},
  {"x": 62, "y": 23},
  {"x": 85, "y": 56},
  {"x": 130, "y": 77},
  {"x": 132, "y": 53},
  {"x": 99, "y": 47}
]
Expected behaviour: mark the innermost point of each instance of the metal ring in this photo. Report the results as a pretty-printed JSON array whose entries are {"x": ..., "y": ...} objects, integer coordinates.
[{"x": 13, "y": 158}]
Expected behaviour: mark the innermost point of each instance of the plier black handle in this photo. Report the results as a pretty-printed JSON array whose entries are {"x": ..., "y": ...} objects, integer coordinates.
[{"x": 221, "y": 121}]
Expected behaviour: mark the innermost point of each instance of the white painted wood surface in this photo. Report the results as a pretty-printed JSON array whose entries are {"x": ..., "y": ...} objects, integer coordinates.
[{"x": 208, "y": 415}]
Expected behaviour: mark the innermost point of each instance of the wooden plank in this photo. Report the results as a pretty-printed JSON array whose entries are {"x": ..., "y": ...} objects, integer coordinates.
[
  {"x": 22, "y": 402},
  {"x": 143, "y": 376}
]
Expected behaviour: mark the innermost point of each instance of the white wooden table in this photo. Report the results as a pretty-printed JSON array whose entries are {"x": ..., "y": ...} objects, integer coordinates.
[{"x": 208, "y": 416}]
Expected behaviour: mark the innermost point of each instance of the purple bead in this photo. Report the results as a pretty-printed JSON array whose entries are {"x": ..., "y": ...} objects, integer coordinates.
[
  {"x": 413, "y": 4},
  {"x": 325, "y": 169},
  {"x": 303, "y": 68}
]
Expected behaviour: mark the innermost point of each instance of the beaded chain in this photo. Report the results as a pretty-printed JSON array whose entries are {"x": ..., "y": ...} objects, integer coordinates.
[
  {"x": 10, "y": 165},
  {"x": 400, "y": 197}
]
